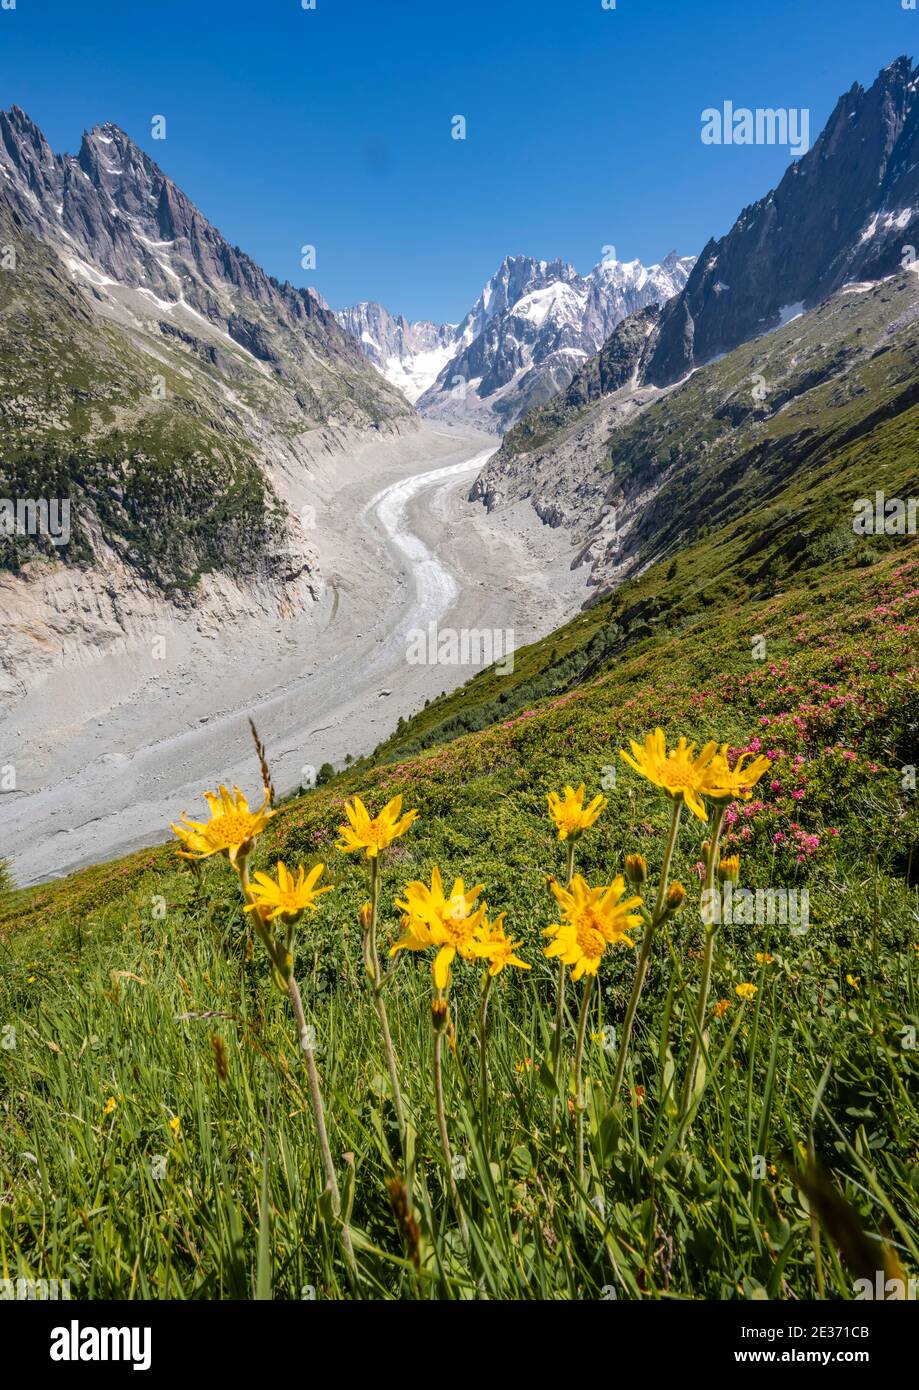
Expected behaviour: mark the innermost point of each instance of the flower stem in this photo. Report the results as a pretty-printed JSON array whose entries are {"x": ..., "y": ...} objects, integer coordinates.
[
  {"x": 442, "y": 1126},
  {"x": 578, "y": 1061},
  {"x": 644, "y": 953},
  {"x": 557, "y": 1050},
  {"x": 319, "y": 1116},
  {"x": 708, "y": 956},
  {"x": 483, "y": 1057},
  {"x": 378, "y": 1002},
  {"x": 280, "y": 961}
]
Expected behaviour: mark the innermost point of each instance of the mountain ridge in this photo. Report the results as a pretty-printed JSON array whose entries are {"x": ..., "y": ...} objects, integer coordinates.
[
  {"x": 846, "y": 210},
  {"x": 111, "y": 209},
  {"x": 524, "y": 337}
]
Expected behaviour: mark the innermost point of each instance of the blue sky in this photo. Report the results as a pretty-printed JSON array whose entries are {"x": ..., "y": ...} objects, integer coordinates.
[{"x": 332, "y": 126}]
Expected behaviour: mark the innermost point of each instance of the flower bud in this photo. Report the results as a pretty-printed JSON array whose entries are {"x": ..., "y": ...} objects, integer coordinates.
[
  {"x": 365, "y": 915},
  {"x": 439, "y": 1014},
  {"x": 729, "y": 868},
  {"x": 636, "y": 869},
  {"x": 675, "y": 895}
]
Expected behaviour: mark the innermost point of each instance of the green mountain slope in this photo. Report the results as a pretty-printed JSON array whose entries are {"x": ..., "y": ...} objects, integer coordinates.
[{"x": 149, "y": 467}]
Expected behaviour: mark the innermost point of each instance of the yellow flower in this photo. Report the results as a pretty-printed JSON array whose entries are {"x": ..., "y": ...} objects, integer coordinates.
[
  {"x": 373, "y": 836},
  {"x": 592, "y": 919},
  {"x": 495, "y": 946},
  {"x": 110, "y": 1106},
  {"x": 290, "y": 896},
  {"x": 764, "y": 958},
  {"x": 570, "y": 815},
  {"x": 721, "y": 1008},
  {"x": 745, "y": 991},
  {"x": 433, "y": 919},
  {"x": 230, "y": 830},
  {"x": 175, "y": 1124},
  {"x": 723, "y": 783},
  {"x": 853, "y": 981},
  {"x": 678, "y": 773}
]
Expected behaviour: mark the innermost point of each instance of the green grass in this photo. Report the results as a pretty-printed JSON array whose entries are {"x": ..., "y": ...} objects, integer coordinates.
[{"x": 659, "y": 1216}]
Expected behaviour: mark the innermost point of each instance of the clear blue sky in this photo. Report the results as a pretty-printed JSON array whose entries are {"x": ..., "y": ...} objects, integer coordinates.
[{"x": 332, "y": 127}]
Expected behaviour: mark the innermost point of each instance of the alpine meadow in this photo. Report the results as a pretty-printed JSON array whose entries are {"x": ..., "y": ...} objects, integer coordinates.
[{"x": 458, "y": 774}]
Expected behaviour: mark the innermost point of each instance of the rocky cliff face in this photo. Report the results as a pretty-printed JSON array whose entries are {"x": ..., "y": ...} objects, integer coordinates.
[
  {"x": 794, "y": 297},
  {"x": 533, "y": 326},
  {"x": 847, "y": 211},
  {"x": 409, "y": 355},
  {"x": 641, "y": 472}
]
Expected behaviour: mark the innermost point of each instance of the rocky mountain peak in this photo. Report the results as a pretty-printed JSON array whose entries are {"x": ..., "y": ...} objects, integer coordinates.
[
  {"x": 142, "y": 250},
  {"x": 528, "y": 332},
  {"x": 845, "y": 211}
]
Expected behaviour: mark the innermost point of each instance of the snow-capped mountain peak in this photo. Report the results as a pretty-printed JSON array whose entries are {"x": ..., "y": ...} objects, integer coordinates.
[{"x": 525, "y": 336}]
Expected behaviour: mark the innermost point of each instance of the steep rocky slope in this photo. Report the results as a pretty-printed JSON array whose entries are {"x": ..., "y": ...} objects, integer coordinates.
[
  {"x": 177, "y": 397},
  {"x": 532, "y": 327},
  {"x": 409, "y": 355},
  {"x": 812, "y": 280},
  {"x": 640, "y": 472}
]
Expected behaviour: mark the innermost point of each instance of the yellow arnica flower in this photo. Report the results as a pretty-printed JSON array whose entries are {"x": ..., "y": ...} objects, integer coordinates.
[
  {"x": 231, "y": 828},
  {"x": 723, "y": 783},
  {"x": 110, "y": 1106},
  {"x": 853, "y": 981},
  {"x": 495, "y": 946},
  {"x": 290, "y": 896},
  {"x": 721, "y": 1008},
  {"x": 433, "y": 919},
  {"x": 764, "y": 958},
  {"x": 745, "y": 991},
  {"x": 678, "y": 772},
  {"x": 592, "y": 919},
  {"x": 376, "y": 834},
  {"x": 569, "y": 813}
]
